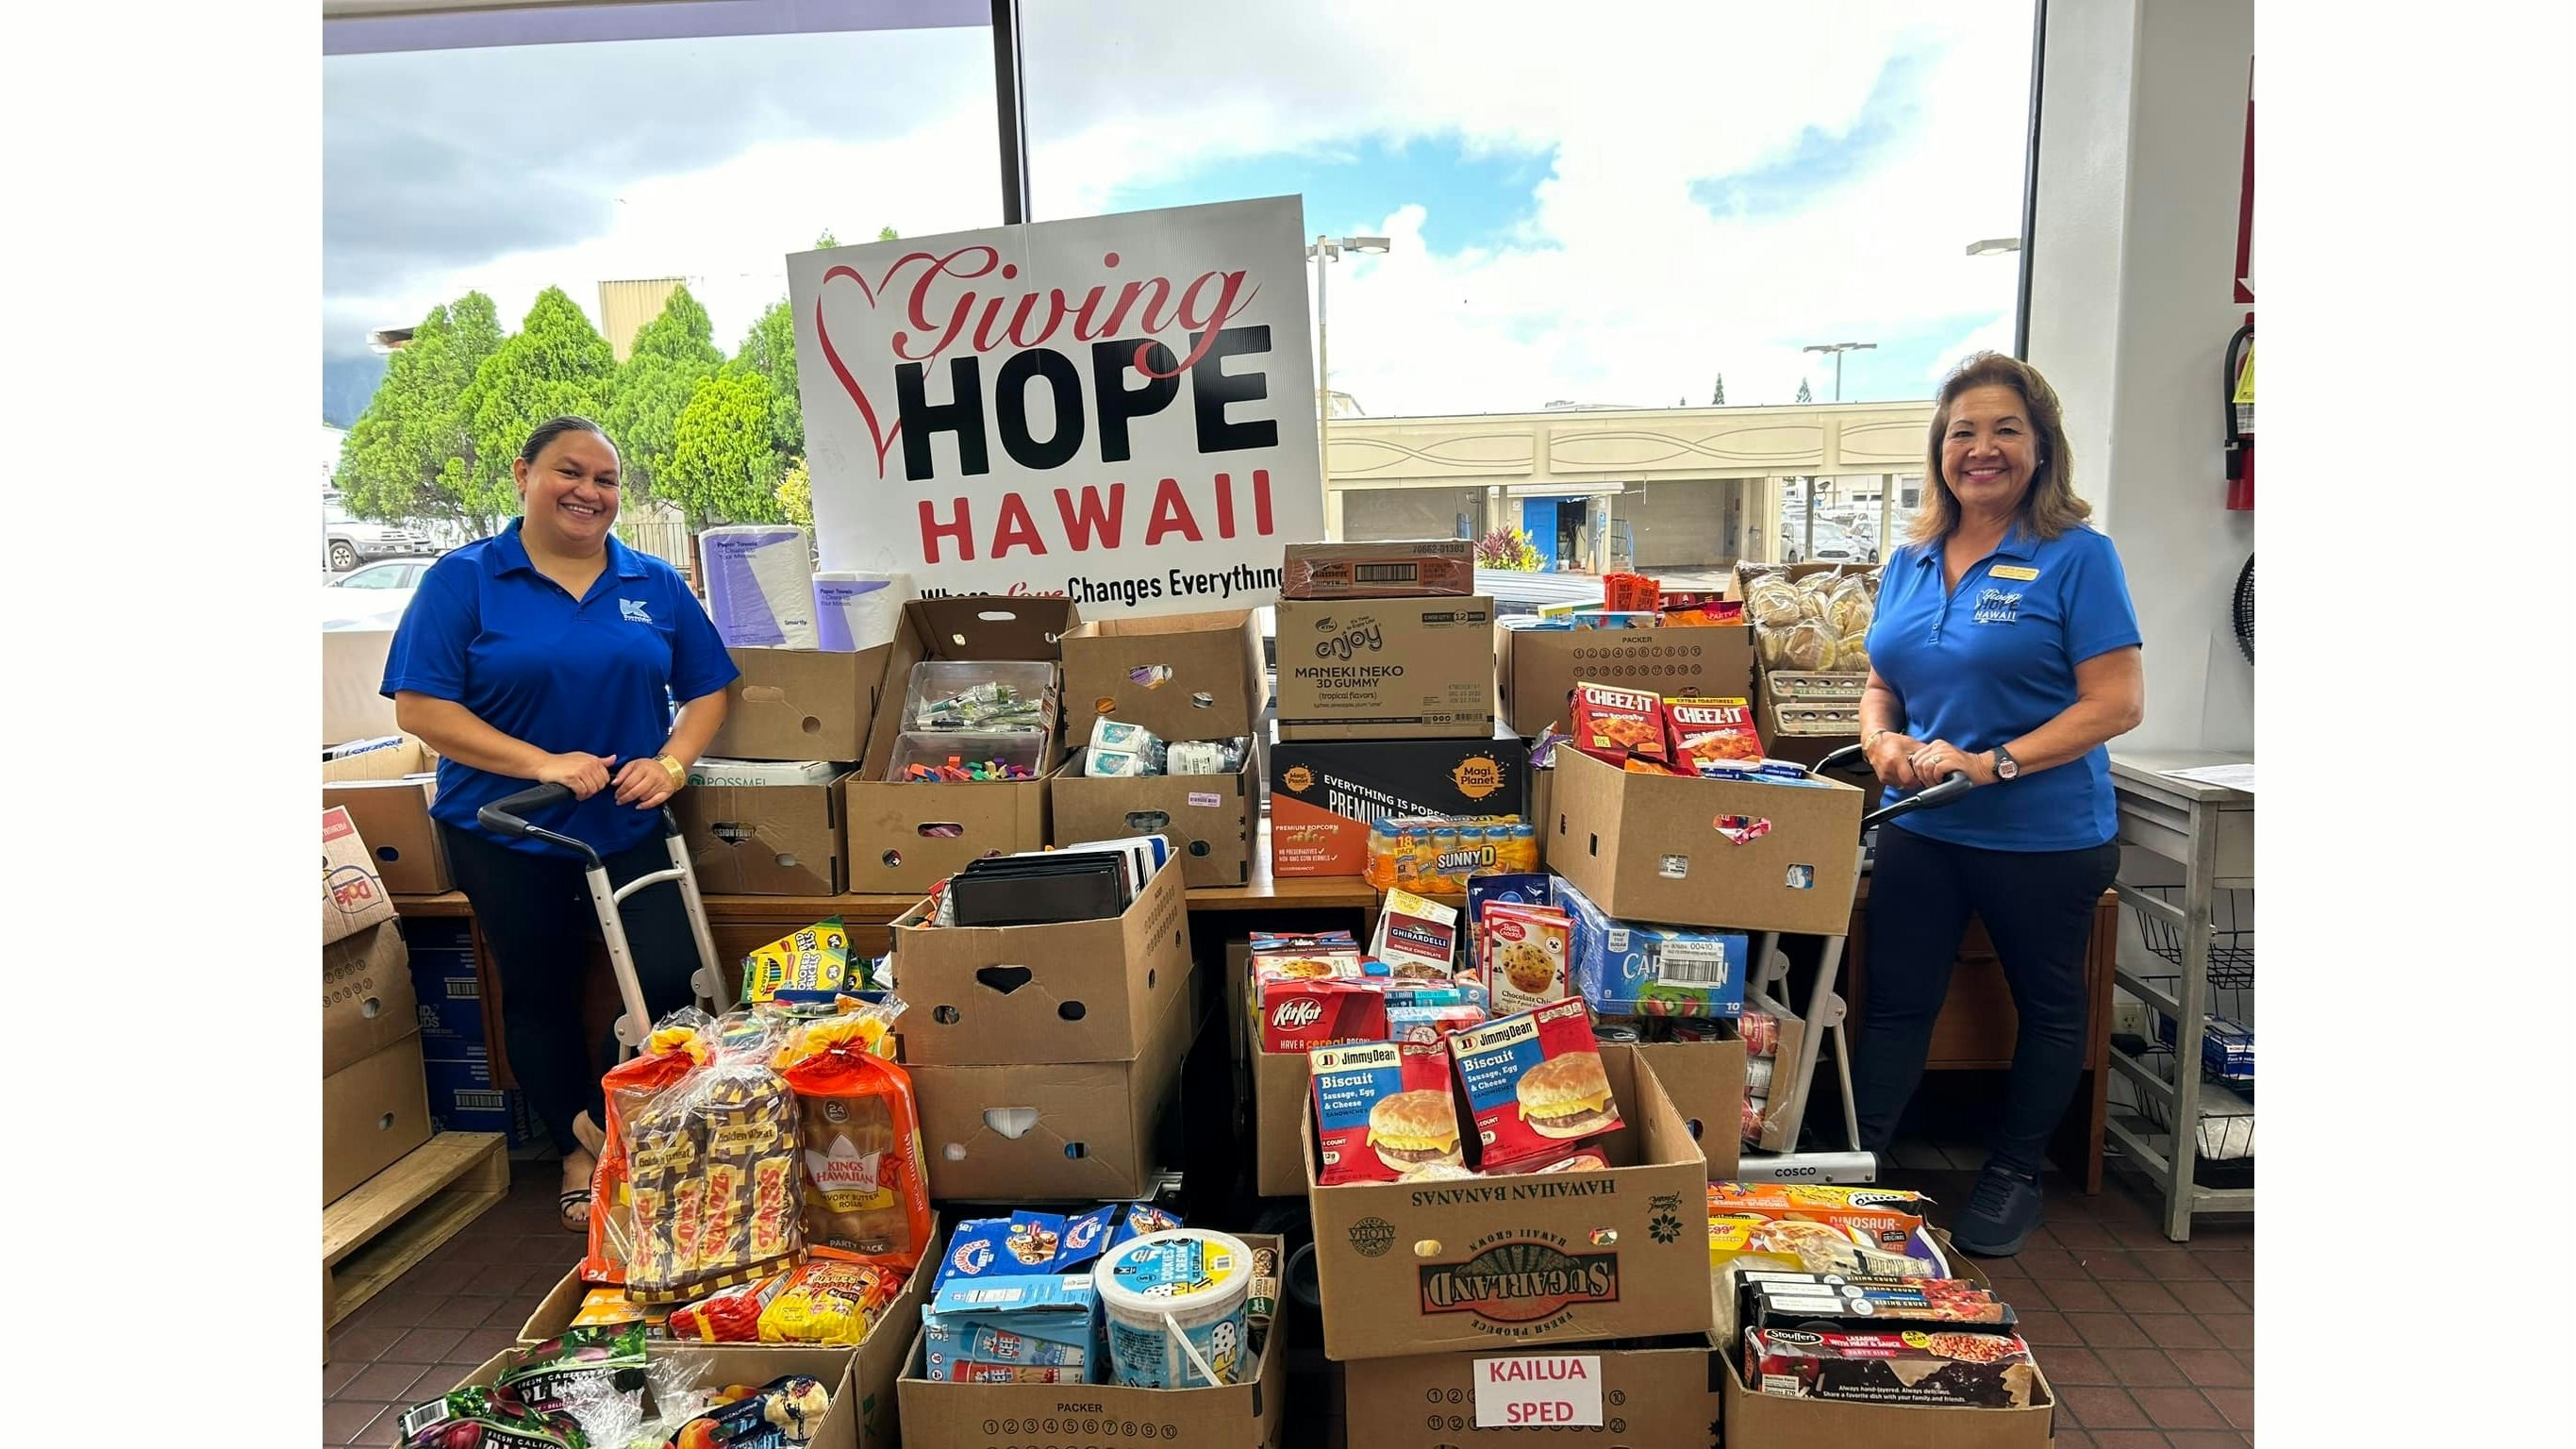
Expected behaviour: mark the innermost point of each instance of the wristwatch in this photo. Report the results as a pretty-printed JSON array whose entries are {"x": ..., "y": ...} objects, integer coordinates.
[
  {"x": 2006, "y": 767},
  {"x": 679, "y": 772}
]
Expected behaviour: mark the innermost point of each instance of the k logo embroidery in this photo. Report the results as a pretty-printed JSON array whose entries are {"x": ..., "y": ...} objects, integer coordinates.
[
  {"x": 1994, "y": 606},
  {"x": 633, "y": 611}
]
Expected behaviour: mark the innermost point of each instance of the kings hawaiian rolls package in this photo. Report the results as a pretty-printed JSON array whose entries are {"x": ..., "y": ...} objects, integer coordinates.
[
  {"x": 1534, "y": 1083},
  {"x": 1382, "y": 1111}
]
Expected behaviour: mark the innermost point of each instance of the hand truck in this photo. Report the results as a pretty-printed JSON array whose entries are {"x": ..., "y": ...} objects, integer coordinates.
[
  {"x": 1765, "y": 988},
  {"x": 507, "y": 816}
]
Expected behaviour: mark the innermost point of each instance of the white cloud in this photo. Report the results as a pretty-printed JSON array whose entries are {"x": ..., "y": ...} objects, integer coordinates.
[{"x": 1618, "y": 287}]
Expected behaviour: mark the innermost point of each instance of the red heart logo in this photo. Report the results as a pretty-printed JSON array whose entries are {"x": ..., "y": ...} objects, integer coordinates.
[{"x": 881, "y": 435}]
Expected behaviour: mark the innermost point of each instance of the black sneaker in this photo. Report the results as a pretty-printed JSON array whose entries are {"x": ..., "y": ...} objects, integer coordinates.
[{"x": 2001, "y": 1214}]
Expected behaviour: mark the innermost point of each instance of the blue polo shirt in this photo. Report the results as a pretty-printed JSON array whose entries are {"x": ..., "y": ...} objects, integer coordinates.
[
  {"x": 1994, "y": 659},
  {"x": 599, "y": 673}
]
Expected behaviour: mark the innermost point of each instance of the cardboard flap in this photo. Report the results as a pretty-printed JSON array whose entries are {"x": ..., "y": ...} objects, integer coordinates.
[
  {"x": 392, "y": 764},
  {"x": 990, "y": 626}
]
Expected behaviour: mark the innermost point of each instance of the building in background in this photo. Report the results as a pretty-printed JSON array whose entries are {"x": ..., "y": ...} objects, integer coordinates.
[{"x": 624, "y": 308}]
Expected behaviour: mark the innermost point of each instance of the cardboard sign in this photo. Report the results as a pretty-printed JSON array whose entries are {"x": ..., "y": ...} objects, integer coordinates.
[
  {"x": 1552, "y": 1391},
  {"x": 1117, "y": 409}
]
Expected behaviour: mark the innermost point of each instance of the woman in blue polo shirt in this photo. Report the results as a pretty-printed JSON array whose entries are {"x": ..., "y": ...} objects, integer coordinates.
[
  {"x": 552, "y": 653},
  {"x": 2004, "y": 647}
]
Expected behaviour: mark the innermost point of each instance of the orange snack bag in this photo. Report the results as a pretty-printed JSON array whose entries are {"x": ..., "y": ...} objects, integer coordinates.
[
  {"x": 679, "y": 1046},
  {"x": 860, "y": 1134}
]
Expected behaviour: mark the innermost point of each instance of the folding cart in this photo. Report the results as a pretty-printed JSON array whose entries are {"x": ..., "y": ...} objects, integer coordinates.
[
  {"x": 1766, "y": 988},
  {"x": 507, "y": 816}
]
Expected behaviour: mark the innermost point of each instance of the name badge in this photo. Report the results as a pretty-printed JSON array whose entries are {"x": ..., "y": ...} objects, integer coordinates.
[{"x": 2013, "y": 571}]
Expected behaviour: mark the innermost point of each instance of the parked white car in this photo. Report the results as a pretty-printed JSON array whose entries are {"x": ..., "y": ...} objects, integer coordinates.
[{"x": 373, "y": 597}]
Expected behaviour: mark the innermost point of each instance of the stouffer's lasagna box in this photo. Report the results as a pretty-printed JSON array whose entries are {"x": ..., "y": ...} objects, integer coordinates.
[{"x": 1499, "y": 1262}]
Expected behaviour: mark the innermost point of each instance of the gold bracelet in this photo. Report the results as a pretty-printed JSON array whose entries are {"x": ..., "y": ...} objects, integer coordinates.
[{"x": 679, "y": 772}]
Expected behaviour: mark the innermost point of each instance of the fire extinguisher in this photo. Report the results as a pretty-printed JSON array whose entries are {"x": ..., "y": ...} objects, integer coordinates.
[{"x": 2239, "y": 396}]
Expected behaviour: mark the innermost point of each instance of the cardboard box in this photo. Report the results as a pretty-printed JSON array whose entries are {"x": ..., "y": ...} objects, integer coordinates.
[
  {"x": 1209, "y": 819},
  {"x": 1282, "y": 1099},
  {"x": 1030, "y": 1133},
  {"x": 1805, "y": 749},
  {"x": 1705, "y": 1079},
  {"x": 1765, "y": 1419},
  {"x": 1523, "y": 1259},
  {"x": 353, "y": 678},
  {"x": 1203, "y": 675},
  {"x": 1540, "y": 667},
  {"x": 1649, "y": 848},
  {"x": 373, "y": 1111},
  {"x": 873, "y": 1368},
  {"x": 861, "y": 1416},
  {"x": 1644, "y": 1396},
  {"x": 907, "y": 838},
  {"x": 367, "y": 999},
  {"x": 353, "y": 893},
  {"x": 450, "y": 1000},
  {"x": 1249, "y": 1415},
  {"x": 1073, "y": 991},
  {"x": 1408, "y": 568},
  {"x": 800, "y": 704},
  {"x": 1325, "y": 795},
  {"x": 766, "y": 840},
  {"x": 1386, "y": 669},
  {"x": 387, "y": 793},
  {"x": 462, "y": 1089}
]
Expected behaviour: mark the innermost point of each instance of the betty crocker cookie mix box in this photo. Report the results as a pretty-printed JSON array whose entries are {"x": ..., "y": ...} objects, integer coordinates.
[{"x": 1534, "y": 1083}]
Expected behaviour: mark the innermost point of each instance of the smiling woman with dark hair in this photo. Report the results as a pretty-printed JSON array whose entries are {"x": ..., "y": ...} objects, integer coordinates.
[
  {"x": 552, "y": 653},
  {"x": 2004, "y": 648}
]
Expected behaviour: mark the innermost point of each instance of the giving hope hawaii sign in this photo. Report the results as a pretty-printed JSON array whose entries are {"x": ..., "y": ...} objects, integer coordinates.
[{"x": 1119, "y": 409}]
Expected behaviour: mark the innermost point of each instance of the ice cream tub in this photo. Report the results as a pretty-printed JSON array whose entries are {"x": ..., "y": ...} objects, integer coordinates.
[{"x": 1176, "y": 1307}]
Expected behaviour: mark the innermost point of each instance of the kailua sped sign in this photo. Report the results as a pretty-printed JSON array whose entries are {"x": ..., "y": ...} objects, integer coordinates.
[
  {"x": 1119, "y": 409},
  {"x": 1539, "y": 1391}
]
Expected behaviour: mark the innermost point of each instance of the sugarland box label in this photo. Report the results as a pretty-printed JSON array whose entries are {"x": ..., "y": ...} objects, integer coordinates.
[{"x": 1520, "y": 1282}]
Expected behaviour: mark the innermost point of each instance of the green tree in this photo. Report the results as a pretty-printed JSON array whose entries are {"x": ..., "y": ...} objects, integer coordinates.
[
  {"x": 393, "y": 461},
  {"x": 827, "y": 241},
  {"x": 769, "y": 349},
  {"x": 1804, "y": 395},
  {"x": 673, "y": 352},
  {"x": 722, "y": 469},
  {"x": 887, "y": 233},
  {"x": 796, "y": 495},
  {"x": 555, "y": 363},
  {"x": 1717, "y": 394}
]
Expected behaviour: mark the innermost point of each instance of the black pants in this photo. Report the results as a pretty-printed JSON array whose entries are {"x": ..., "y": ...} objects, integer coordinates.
[
  {"x": 537, "y": 918},
  {"x": 2037, "y": 907}
]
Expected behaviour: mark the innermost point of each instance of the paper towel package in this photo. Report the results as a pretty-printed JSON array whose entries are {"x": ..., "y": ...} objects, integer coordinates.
[
  {"x": 760, "y": 585},
  {"x": 855, "y": 611}
]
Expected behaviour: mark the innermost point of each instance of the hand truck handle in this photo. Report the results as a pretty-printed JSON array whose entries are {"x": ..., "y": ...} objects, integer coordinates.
[
  {"x": 506, "y": 816},
  {"x": 1932, "y": 798}
]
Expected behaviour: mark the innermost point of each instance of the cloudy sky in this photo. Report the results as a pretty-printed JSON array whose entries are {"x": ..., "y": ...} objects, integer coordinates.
[{"x": 1606, "y": 212}]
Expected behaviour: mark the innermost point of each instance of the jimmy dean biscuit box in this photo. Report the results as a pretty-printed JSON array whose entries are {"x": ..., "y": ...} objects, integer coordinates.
[
  {"x": 1534, "y": 1083},
  {"x": 1382, "y": 1111}
]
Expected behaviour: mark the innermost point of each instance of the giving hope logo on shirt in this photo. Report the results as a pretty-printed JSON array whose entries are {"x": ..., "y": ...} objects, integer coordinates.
[{"x": 1994, "y": 606}]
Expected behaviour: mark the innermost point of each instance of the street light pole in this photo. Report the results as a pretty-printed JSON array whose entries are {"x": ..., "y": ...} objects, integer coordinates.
[
  {"x": 1838, "y": 349},
  {"x": 1325, "y": 251}
]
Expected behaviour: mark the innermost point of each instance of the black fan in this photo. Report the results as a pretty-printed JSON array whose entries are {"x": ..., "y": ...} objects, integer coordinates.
[{"x": 2244, "y": 610}]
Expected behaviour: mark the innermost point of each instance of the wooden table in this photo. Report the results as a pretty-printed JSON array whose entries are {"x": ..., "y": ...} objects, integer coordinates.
[
  {"x": 1978, "y": 1025},
  {"x": 743, "y": 924}
]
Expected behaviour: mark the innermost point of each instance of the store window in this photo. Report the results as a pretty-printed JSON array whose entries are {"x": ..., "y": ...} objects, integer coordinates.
[
  {"x": 523, "y": 219},
  {"x": 1611, "y": 235}
]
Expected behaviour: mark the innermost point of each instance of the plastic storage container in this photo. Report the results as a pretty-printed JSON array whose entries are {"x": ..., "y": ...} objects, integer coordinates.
[
  {"x": 935, "y": 748},
  {"x": 1017, "y": 695}
]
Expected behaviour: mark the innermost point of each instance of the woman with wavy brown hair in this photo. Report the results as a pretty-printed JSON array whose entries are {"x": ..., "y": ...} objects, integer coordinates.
[{"x": 2005, "y": 648}]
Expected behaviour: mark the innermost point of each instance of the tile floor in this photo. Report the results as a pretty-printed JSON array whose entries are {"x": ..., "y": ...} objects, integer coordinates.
[{"x": 2151, "y": 1343}]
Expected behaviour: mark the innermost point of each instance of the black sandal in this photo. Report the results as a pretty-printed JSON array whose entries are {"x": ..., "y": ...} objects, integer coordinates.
[{"x": 566, "y": 1202}]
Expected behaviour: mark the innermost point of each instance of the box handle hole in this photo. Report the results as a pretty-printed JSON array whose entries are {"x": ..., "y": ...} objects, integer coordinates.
[
  {"x": 1148, "y": 822},
  {"x": 1004, "y": 979},
  {"x": 1198, "y": 847},
  {"x": 1152, "y": 676},
  {"x": 1202, "y": 700},
  {"x": 1012, "y": 1122},
  {"x": 371, "y": 1008},
  {"x": 892, "y": 857},
  {"x": 944, "y": 1015},
  {"x": 1073, "y": 1011},
  {"x": 939, "y": 830},
  {"x": 1074, "y": 1150}
]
